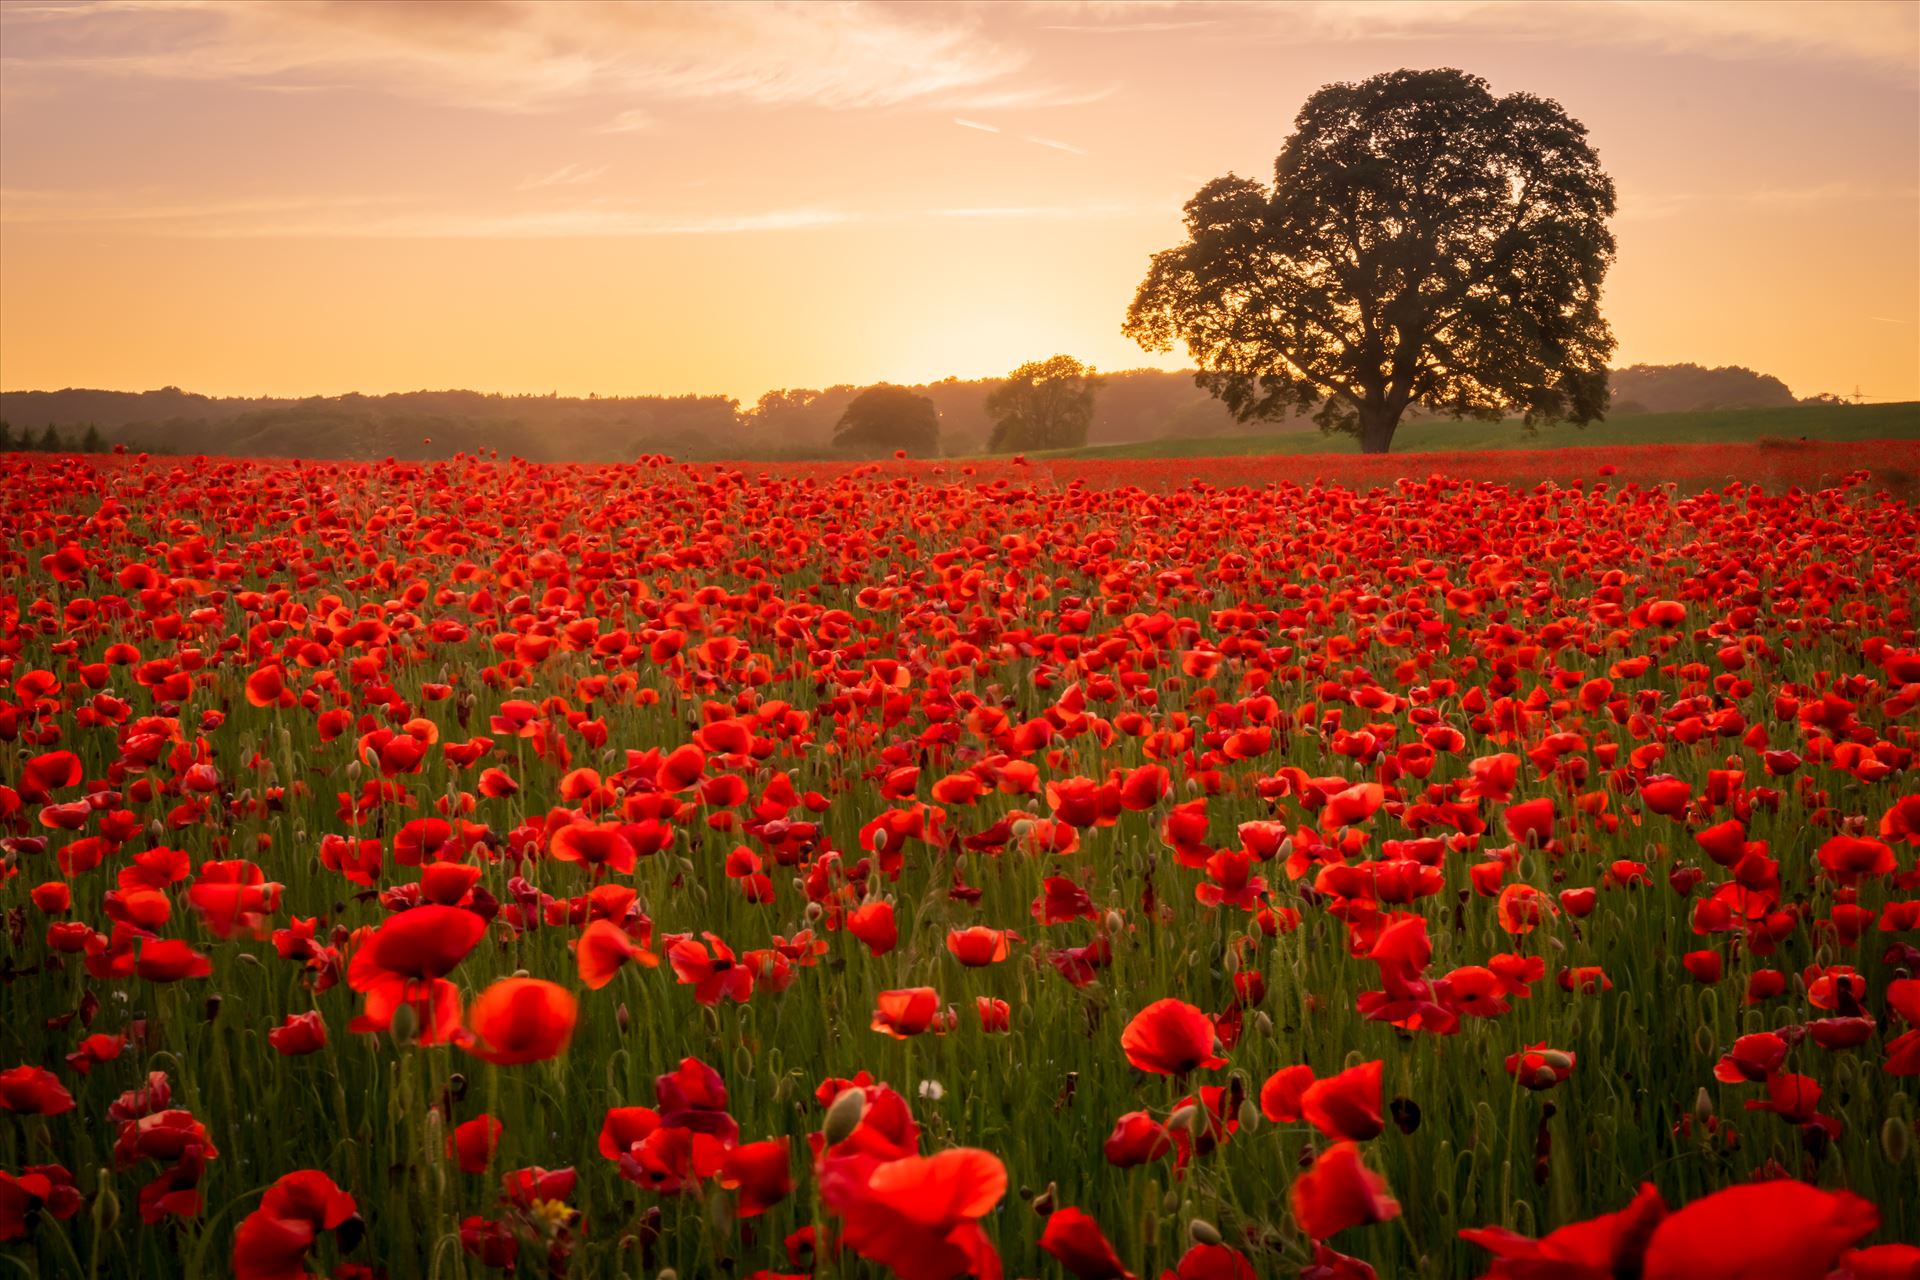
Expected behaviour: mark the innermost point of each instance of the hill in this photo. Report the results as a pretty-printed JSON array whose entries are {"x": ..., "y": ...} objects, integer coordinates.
[
  {"x": 1834, "y": 422},
  {"x": 1136, "y": 408}
]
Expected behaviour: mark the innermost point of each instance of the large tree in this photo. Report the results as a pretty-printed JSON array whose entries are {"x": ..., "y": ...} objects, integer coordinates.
[
  {"x": 886, "y": 418},
  {"x": 1424, "y": 243},
  {"x": 1044, "y": 404}
]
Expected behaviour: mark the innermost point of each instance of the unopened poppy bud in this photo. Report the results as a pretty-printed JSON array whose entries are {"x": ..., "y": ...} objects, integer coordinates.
[
  {"x": 106, "y": 1205},
  {"x": 521, "y": 973},
  {"x": 814, "y": 912},
  {"x": 353, "y": 770},
  {"x": 1044, "y": 1202},
  {"x": 1702, "y": 1106},
  {"x": 1022, "y": 828},
  {"x": 843, "y": 1117},
  {"x": 880, "y": 838},
  {"x": 1555, "y": 1058},
  {"x": 1115, "y": 922},
  {"x": 1263, "y": 1023},
  {"x": 213, "y": 1007},
  {"x": 1200, "y": 1231},
  {"x": 1186, "y": 1117},
  {"x": 1249, "y": 1115},
  {"x": 405, "y": 1024},
  {"x": 622, "y": 1018},
  {"x": 667, "y": 1273},
  {"x": 1896, "y": 1139}
]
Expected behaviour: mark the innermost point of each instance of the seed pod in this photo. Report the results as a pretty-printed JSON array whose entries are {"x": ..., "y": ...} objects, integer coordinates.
[
  {"x": 843, "y": 1117},
  {"x": 1896, "y": 1139}
]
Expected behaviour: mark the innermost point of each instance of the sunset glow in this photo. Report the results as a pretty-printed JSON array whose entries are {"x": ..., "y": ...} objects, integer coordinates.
[{"x": 313, "y": 199}]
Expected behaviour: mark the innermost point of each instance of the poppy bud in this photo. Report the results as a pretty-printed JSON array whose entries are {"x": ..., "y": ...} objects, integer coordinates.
[
  {"x": 1702, "y": 1106},
  {"x": 353, "y": 770},
  {"x": 106, "y": 1205},
  {"x": 1249, "y": 1115},
  {"x": 1200, "y": 1231},
  {"x": 667, "y": 1273},
  {"x": 1044, "y": 1202},
  {"x": 622, "y": 1018},
  {"x": 213, "y": 1007},
  {"x": 1115, "y": 922},
  {"x": 843, "y": 1117},
  {"x": 880, "y": 837},
  {"x": 1896, "y": 1139},
  {"x": 1187, "y": 1117},
  {"x": 1263, "y": 1022},
  {"x": 405, "y": 1024},
  {"x": 521, "y": 973},
  {"x": 814, "y": 912}
]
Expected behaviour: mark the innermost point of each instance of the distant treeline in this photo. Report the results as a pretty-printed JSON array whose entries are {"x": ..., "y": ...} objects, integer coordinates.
[{"x": 1135, "y": 405}]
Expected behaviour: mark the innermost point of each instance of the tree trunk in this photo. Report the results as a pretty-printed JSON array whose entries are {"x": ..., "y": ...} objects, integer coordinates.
[{"x": 1376, "y": 428}]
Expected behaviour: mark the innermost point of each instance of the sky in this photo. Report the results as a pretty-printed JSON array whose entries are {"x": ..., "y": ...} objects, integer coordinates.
[{"x": 309, "y": 199}]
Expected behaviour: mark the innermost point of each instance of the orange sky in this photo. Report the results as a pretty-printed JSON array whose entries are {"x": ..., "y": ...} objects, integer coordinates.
[{"x": 301, "y": 199}]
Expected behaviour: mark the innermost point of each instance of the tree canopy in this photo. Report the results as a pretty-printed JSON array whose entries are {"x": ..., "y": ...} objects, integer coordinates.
[
  {"x": 1044, "y": 404},
  {"x": 885, "y": 418},
  {"x": 1423, "y": 242}
]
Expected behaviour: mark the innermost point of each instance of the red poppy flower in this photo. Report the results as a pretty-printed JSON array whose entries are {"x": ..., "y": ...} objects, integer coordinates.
[
  {"x": 473, "y": 1143},
  {"x": 1340, "y": 1192},
  {"x": 520, "y": 1020},
  {"x": 873, "y": 924},
  {"x": 33, "y": 1091},
  {"x": 1601, "y": 1248},
  {"x": 300, "y": 1034},
  {"x": 1170, "y": 1037},
  {"x": 760, "y": 1174},
  {"x": 1784, "y": 1230},
  {"x": 1137, "y": 1138},
  {"x": 273, "y": 1241},
  {"x": 603, "y": 948},
  {"x": 918, "y": 1215},
  {"x": 1077, "y": 1241},
  {"x": 1346, "y": 1106},
  {"x": 907, "y": 1012},
  {"x": 979, "y": 946}
]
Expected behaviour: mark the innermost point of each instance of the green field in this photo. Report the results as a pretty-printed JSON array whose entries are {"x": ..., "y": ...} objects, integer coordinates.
[{"x": 1813, "y": 422}]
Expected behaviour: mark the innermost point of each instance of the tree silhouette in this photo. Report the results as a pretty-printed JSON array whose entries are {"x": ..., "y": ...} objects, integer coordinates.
[
  {"x": 884, "y": 418},
  {"x": 1423, "y": 242},
  {"x": 1044, "y": 404}
]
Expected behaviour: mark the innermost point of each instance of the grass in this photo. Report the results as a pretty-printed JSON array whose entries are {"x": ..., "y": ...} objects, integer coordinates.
[{"x": 1813, "y": 422}]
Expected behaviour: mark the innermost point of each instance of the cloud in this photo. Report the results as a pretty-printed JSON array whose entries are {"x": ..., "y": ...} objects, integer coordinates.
[
  {"x": 532, "y": 54},
  {"x": 1865, "y": 31},
  {"x": 567, "y": 175},
  {"x": 975, "y": 124},
  {"x": 1055, "y": 144},
  {"x": 144, "y": 212}
]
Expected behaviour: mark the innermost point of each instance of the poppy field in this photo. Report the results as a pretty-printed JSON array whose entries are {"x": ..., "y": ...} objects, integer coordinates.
[{"x": 1181, "y": 869}]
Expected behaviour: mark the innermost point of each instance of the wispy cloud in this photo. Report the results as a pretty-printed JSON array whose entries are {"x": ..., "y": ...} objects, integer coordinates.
[
  {"x": 1054, "y": 144},
  {"x": 528, "y": 54},
  {"x": 567, "y": 175},
  {"x": 1862, "y": 31},
  {"x": 379, "y": 218},
  {"x": 975, "y": 124}
]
